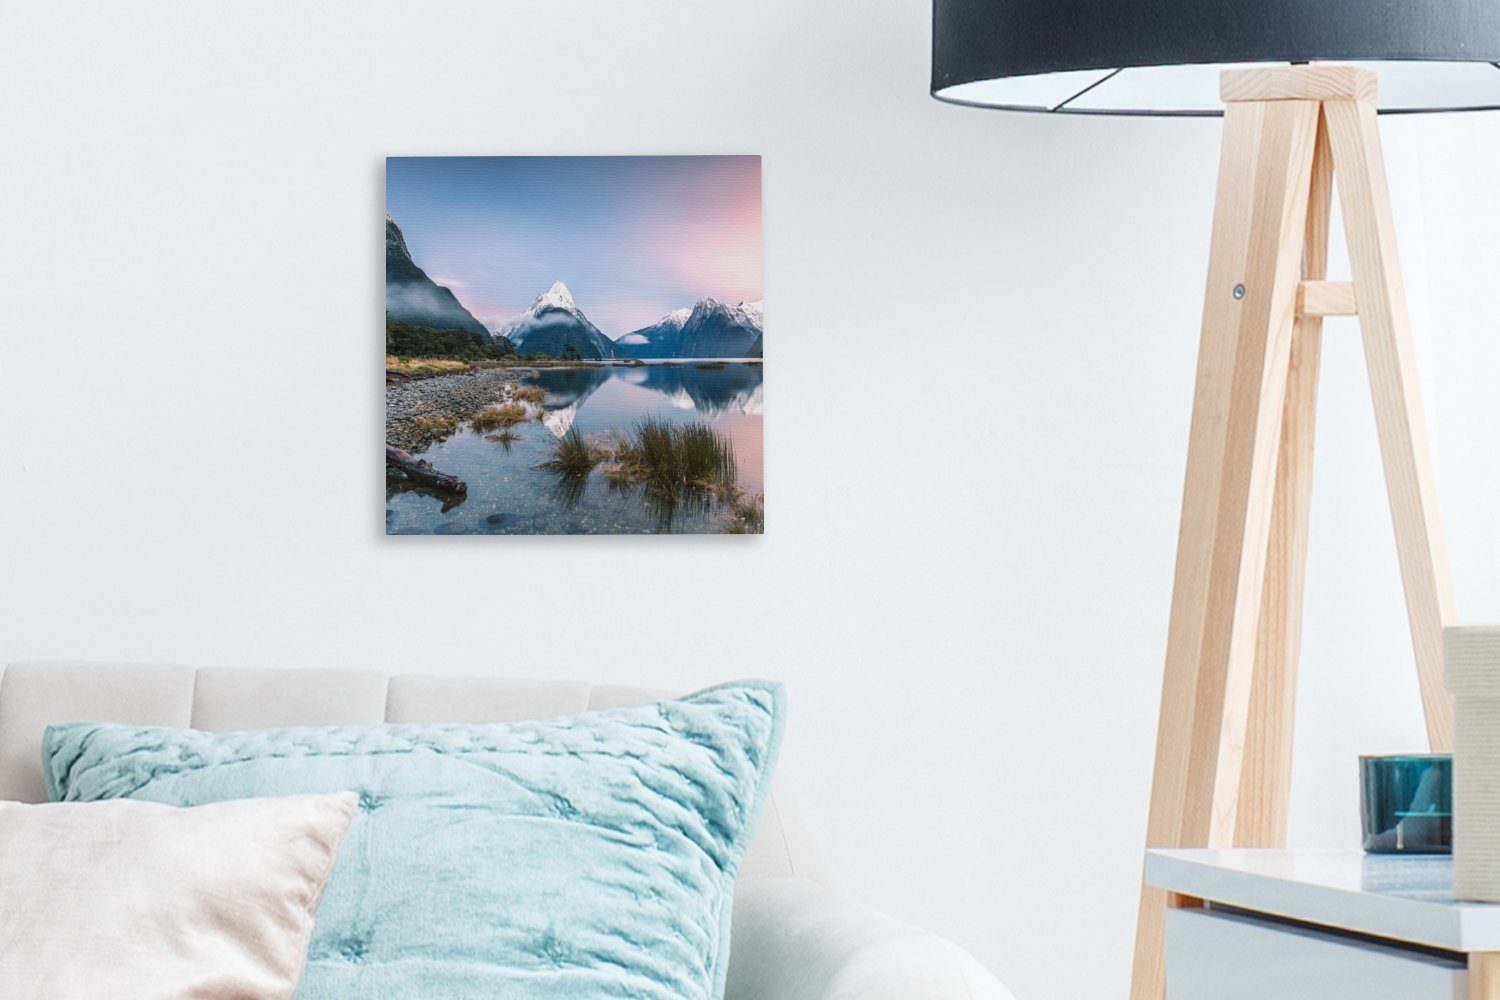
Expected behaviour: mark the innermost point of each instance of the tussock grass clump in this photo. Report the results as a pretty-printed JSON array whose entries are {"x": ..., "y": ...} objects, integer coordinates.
[
  {"x": 573, "y": 454},
  {"x": 530, "y": 394},
  {"x": 423, "y": 366},
  {"x": 498, "y": 415},
  {"x": 504, "y": 438},
  {"x": 668, "y": 457},
  {"x": 678, "y": 467},
  {"x": 435, "y": 424}
]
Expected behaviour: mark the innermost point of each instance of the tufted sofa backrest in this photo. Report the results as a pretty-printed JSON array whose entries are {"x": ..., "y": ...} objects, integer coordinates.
[{"x": 226, "y": 699}]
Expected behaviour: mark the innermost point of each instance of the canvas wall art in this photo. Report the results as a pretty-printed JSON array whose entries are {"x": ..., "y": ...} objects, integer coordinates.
[{"x": 573, "y": 345}]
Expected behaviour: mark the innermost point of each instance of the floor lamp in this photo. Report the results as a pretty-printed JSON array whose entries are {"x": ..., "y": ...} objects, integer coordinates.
[{"x": 1296, "y": 85}]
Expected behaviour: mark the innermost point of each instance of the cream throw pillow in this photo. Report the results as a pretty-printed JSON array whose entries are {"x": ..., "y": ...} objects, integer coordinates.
[{"x": 151, "y": 902}]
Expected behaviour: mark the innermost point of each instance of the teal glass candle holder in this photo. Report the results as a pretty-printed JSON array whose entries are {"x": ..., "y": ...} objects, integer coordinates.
[{"x": 1406, "y": 803}]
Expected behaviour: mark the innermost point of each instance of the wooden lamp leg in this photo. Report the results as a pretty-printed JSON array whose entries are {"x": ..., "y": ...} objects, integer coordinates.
[
  {"x": 1398, "y": 407},
  {"x": 1232, "y": 646},
  {"x": 1244, "y": 358},
  {"x": 1484, "y": 976},
  {"x": 1266, "y": 775}
]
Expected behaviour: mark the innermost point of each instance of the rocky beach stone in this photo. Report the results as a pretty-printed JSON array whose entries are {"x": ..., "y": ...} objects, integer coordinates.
[{"x": 459, "y": 395}]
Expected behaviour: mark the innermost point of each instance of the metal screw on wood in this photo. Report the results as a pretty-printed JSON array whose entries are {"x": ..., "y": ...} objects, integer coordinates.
[{"x": 1239, "y": 291}]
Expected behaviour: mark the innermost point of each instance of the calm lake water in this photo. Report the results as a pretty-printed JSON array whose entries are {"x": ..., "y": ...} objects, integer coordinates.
[{"x": 510, "y": 494}]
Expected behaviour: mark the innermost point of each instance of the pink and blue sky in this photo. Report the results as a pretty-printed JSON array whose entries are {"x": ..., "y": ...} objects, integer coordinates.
[{"x": 633, "y": 237}]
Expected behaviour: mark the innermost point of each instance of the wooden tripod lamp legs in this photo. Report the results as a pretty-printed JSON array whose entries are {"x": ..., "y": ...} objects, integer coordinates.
[
  {"x": 1223, "y": 755},
  {"x": 1266, "y": 771}
]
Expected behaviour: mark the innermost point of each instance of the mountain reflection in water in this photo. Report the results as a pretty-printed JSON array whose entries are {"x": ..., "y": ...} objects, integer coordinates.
[{"x": 509, "y": 492}]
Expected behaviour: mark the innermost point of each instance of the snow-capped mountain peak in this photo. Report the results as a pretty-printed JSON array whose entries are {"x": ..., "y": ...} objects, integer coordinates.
[
  {"x": 754, "y": 311},
  {"x": 395, "y": 240},
  {"x": 710, "y": 329},
  {"x": 750, "y": 314},
  {"x": 556, "y": 297},
  {"x": 553, "y": 324}
]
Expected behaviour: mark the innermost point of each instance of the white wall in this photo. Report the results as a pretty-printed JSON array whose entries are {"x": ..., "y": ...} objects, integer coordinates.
[{"x": 983, "y": 335}]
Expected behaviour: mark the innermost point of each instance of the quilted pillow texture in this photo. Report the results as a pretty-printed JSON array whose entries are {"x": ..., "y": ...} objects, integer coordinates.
[
  {"x": 141, "y": 900},
  {"x": 583, "y": 858}
]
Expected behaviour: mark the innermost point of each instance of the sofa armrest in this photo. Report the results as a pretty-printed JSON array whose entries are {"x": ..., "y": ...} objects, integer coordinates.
[{"x": 794, "y": 940}]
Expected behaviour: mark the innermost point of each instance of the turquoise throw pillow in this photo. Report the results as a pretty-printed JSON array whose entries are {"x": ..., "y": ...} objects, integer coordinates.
[{"x": 579, "y": 858}]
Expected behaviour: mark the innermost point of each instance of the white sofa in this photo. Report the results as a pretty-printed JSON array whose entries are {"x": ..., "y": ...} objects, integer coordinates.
[{"x": 792, "y": 939}]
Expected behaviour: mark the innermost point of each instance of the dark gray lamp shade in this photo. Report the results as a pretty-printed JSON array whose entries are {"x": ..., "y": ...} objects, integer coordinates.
[{"x": 1163, "y": 57}]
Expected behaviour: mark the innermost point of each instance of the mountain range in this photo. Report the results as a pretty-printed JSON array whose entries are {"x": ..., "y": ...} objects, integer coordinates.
[
  {"x": 709, "y": 329},
  {"x": 412, "y": 297}
]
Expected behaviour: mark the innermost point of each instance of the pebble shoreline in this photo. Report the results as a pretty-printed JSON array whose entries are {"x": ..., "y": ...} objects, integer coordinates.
[{"x": 460, "y": 395}]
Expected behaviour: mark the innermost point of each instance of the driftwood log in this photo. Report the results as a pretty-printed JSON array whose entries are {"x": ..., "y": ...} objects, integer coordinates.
[{"x": 420, "y": 471}]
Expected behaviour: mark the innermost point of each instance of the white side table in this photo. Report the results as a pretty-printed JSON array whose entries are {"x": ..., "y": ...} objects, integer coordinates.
[{"x": 1322, "y": 925}]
